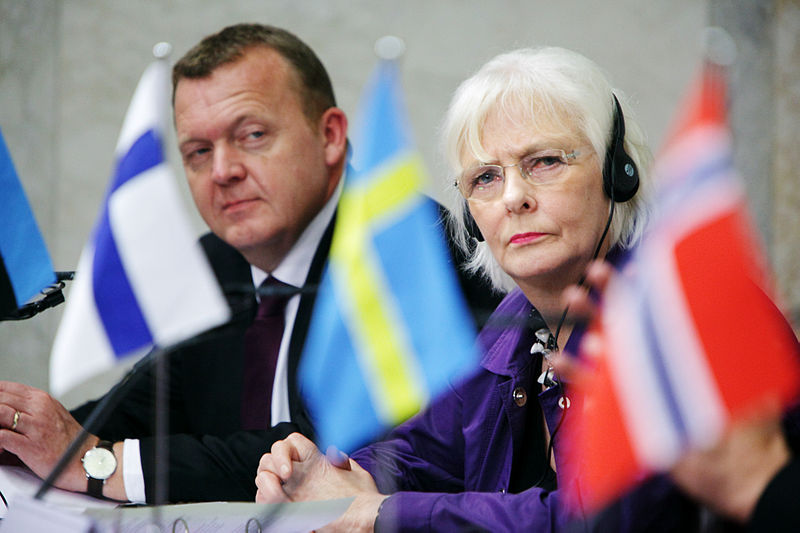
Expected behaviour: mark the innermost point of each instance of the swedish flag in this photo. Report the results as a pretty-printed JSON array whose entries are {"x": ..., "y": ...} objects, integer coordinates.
[{"x": 390, "y": 327}]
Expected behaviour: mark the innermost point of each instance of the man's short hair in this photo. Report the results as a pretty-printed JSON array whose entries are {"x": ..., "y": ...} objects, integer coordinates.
[{"x": 230, "y": 44}]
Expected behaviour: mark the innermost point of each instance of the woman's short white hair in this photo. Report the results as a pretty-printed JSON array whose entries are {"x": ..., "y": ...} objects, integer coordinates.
[{"x": 547, "y": 86}]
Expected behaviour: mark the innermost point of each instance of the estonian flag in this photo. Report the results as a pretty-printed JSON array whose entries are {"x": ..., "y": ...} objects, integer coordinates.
[{"x": 25, "y": 266}]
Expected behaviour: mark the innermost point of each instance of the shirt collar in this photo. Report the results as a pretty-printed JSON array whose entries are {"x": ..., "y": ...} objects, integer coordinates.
[{"x": 293, "y": 270}]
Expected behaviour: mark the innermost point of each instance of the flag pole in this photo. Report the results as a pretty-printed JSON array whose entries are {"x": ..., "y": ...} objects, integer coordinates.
[{"x": 161, "y": 51}]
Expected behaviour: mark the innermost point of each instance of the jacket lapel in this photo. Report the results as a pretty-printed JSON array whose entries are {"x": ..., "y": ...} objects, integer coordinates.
[{"x": 301, "y": 324}]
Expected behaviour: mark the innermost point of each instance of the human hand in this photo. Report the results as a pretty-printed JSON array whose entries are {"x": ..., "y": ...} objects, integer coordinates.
[
  {"x": 582, "y": 308},
  {"x": 731, "y": 476},
  {"x": 295, "y": 470},
  {"x": 37, "y": 429}
]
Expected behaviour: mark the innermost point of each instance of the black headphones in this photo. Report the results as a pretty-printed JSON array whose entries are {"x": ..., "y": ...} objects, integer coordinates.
[{"x": 620, "y": 175}]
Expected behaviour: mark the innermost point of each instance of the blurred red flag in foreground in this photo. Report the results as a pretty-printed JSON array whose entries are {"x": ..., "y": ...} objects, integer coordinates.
[{"x": 689, "y": 338}]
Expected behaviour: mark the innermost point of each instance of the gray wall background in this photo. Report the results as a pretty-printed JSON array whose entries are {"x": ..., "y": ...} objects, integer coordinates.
[{"x": 68, "y": 70}]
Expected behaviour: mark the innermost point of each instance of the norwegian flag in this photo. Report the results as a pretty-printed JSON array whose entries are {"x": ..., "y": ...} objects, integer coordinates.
[{"x": 689, "y": 338}]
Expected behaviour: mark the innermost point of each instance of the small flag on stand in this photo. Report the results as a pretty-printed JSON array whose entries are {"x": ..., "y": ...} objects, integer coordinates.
[
  {"x": 390, "y": 326},
  {"x": 142, "y": 279},
  {"x": 689, "y": 339},
  {"x": 25, "y": 266}
]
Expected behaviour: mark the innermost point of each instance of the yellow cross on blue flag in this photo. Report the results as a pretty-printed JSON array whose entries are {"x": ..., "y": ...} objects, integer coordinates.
[{"x": 390, "y": 327}]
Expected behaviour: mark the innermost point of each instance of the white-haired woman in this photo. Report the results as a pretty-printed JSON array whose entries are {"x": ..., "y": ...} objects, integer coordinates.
[{"x": 545, "y": 161}]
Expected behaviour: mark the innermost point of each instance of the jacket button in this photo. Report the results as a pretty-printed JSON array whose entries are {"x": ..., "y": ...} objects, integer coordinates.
[
  {"x": 520, "y": 396},
  {"x": 564, "y": 402}
]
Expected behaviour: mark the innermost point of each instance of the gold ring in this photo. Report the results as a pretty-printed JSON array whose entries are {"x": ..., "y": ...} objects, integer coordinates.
[{"x": 16, "y": 421}]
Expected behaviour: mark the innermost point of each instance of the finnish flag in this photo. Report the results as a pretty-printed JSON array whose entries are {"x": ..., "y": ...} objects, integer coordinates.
[{"x": 142, "y": 279}]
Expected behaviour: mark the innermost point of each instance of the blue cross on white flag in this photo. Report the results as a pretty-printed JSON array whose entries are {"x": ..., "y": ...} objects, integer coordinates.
[{"x": 142, "y": 279}]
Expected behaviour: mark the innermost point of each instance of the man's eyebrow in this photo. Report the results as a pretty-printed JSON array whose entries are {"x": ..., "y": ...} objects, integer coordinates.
[{"x": 237, "y": 122}]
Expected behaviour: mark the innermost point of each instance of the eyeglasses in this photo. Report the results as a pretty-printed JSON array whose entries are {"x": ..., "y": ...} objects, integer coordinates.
[{"x": 485, "y": 182}]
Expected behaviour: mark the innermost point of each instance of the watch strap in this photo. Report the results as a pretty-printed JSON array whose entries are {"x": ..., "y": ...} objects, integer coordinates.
[{"x": 94, "y": 486}]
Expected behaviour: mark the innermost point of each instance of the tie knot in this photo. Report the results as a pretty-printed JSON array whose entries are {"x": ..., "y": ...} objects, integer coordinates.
[{"x": 273, "y": 294}]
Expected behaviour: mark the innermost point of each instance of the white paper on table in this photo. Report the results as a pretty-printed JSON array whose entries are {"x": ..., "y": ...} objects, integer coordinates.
[
  {"x": 221, "y": 517},
  {"x": 18, "y": 481}
]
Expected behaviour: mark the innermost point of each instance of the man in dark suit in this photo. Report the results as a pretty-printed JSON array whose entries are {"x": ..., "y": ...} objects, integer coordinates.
[
  {"x": 211, "y": 456},
  {"x": 264, "y": 149}
]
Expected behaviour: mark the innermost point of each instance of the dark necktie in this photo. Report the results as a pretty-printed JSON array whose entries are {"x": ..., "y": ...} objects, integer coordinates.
[{"x": 262, "y": 341}]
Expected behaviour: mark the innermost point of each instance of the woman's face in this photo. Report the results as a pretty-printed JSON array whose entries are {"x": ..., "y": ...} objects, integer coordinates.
[{"x": 543, "y": 233}]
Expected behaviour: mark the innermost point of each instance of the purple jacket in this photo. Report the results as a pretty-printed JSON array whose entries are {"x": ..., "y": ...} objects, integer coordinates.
[{"x": 449, "y": 467}]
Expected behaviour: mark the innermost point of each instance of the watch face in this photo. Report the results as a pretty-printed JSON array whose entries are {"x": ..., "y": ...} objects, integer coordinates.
[{"x": 99, "y": 463}]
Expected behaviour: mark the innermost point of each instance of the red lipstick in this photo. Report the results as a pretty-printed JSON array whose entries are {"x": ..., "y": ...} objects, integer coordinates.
[{"x": 524, "y": 238}]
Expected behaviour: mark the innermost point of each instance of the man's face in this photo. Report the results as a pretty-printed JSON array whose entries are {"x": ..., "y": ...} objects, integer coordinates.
[{"x": 258, "y": 170}]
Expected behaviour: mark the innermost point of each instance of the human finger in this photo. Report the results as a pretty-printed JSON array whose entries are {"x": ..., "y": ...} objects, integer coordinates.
[
  {"x": 280, "y": 459},
  {"x": 12, "y": 387},
  {"x": 301, "y": 447},
  {"x": 14, "y": 443},
  {"x": 17, "y": 396},
  {"x": 10, "y": 417},
  {"x": 581, "y": 307},
  {"x": 337, "y": 458},
  {"x": 10, "y": 403},
  {"x": 15, "y": 421},
  {"x": 267, "y": 464},
  {"x": 295, "y": 447},
  {"x": 571, "y": 368},
  {"x": 565, "y": 366},
  {"x": 598, "y": 274},
  {"x": 269, "y": 488}
]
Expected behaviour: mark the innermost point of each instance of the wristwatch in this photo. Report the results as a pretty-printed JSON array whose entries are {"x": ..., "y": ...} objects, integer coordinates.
[{"x": 99, "y": 463}]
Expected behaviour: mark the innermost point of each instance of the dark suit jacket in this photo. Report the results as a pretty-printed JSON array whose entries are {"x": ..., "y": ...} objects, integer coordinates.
[{"x": 210, "y": 456}]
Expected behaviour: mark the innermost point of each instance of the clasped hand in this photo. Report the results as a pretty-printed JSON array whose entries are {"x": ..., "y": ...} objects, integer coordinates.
[{"x": 295, "y": 470}]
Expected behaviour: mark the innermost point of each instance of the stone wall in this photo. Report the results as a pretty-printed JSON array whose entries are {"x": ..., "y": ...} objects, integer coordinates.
[{"x": 68, "y": 70}]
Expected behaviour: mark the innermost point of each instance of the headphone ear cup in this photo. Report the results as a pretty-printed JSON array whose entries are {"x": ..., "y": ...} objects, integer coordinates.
[
  {"x": 472, "y": 227},
  {"x": 620, "y": 176}
]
